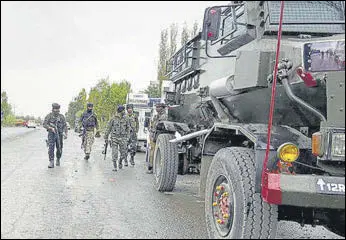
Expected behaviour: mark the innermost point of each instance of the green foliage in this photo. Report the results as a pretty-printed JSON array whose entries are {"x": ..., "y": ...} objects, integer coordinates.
[
  {"x": 5, "y": 106},
  {"x": 167, "y": 48},
  {"x": 173, "y": 32},
  {"x": 163, "y": 56},
  {"x": 78, "y": 104},
  {"x": 105, "y": 97},
  {"x": 9, "y": 120},
  {"x": 153, "y": 91}
]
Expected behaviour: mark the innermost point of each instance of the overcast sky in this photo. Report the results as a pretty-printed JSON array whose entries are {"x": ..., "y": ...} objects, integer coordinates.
[{"x": 51, "y": 50}]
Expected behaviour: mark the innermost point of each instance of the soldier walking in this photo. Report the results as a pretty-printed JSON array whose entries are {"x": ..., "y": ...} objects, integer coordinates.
[
  {"x": 55, "y": 124},
  {"x": 119, "y": 128},
  {"x": 160, "y": 116},
  {"x": 89, "y": 123},
  {"x": 132, "y": 144}
]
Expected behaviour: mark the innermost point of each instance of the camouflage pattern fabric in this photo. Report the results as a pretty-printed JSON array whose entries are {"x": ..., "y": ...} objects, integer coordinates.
[
  {"x": 132, "y": 143},
  {"x": 133, "y": 122},
  {"x": 55, "y": 120},
  {"x": 119, "y": 127},
  {"x": 120, "y": 145},
  {"x": 89, "y": 140},
  {"x": 52, "y": 142},
  {"x": 161, "y": 116},
  {"x": 89, "y": 122}
]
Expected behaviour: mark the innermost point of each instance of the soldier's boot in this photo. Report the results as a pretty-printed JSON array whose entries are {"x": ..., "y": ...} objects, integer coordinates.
[
  {"x": 126, "y": 163},
  {"x": 57, "y": 162},
  {"x": 51, "y": 164},
  {"x": 120, "y": 165},
  {"x": 132, "y": 160},
  {"x": 87, "y": 156},
  {"x": 150, "y": 170},
  {"x": 114, "y": 166}
]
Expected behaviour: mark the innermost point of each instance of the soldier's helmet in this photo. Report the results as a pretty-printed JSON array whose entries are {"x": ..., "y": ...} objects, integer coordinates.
[
  {"x": 55, "y": 106},
  {"x": 120, "y": 108},
  {"x": 129, "y": 106},
  {"x": 89, "y": 104}
]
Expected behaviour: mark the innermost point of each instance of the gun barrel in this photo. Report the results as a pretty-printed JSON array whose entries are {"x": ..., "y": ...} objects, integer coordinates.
[{"x": 105, "y": 149}]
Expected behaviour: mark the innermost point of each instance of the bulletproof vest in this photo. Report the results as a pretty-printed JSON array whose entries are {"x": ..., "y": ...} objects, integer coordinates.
[
  {"x": 89, "y": 120},
  {"x": 133, "y": 119},
  {"x": 119, "y": 126},
  {"x": 56, "y": 121}
]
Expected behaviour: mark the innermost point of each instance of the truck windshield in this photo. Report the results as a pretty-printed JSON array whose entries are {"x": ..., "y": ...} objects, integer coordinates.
[{"x": 308, "y": 16}]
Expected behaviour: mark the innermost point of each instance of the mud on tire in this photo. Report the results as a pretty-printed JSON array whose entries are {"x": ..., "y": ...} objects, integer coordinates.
[
  {"x": 250, "y": 216},
  {"x": 165, "y": 164}
]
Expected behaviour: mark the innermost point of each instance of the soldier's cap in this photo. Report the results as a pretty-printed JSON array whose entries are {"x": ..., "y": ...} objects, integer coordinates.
[
  {"x": 89, "y": 104},
  {"x": 120, "y": 108},
  {"x": 129, "y": 106},
  {"x": 158, "y": 105},
  {"x": 55, "y": 106}
]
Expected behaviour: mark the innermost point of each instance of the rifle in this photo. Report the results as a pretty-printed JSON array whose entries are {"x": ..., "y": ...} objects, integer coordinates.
[
  {"x": 105, "y": 149},
  {"x": 84, "y": 130},
  {"x": 83, "y": 137},
  {"x": 57, "y": 135}
]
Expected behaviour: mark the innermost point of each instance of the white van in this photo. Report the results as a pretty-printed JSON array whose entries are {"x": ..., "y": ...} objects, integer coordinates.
[{"x": 143, "y": 120}]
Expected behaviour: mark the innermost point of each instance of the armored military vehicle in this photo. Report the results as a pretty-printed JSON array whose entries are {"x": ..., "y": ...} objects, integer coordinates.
[{"x": 269, "y": 145}]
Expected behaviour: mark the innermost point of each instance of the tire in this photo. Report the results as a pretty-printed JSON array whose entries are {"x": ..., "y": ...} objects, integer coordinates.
[
  {"x": 249, "y": 217},
  {"x": 337, "y": 222},
  {"x": 337, "y": 229},
  {"x": 165, "y": 164}
]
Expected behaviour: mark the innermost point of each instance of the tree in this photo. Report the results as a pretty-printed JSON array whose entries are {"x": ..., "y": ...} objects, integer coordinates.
[
  {"x": 173, "y": 32},
  {"x": 153, "y": 91},
  {"x": 6, "y": 108},
  {"x": 184, "y": 35},
  {"x": 194, "y": 30},
  {"x": 78, "y": 104},
  {"x": 105, "y": 98},
  {"x": 8, "y": 118},
  {"x": 163, "y": 56}
]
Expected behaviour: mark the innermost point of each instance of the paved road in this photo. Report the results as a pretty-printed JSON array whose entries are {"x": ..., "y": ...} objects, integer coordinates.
[
  {"x": 85, "y": 199},
  {"x": 325, "y": 63}
]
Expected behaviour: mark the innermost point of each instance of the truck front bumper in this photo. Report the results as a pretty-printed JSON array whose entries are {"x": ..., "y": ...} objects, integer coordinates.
[{"x": 304, "y": 190}]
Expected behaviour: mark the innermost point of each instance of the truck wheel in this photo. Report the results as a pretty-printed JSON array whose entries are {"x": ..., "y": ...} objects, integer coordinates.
[
  {"x": 337, "y": 229},
  {"x": 232, "y": 208},
  {"x": 337, "y": 222},
  {"x": 165, "y": 165}
]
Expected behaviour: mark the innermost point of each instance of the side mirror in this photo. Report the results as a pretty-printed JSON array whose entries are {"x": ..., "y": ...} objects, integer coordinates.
[
  {"x": 211, "y": 23},
  {"x": 324, "y": 56}
]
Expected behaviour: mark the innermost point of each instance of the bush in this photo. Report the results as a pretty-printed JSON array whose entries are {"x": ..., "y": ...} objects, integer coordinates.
[{"x": 8, "y": 121}]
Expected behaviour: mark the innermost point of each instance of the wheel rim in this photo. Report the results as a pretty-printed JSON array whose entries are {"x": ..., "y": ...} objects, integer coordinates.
[
  {"x": 158, "y": 164},
  {"x": 223, "y": 205}
]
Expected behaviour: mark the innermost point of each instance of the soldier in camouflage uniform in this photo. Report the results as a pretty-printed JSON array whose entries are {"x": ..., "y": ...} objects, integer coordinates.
[
  {"x": 160, "y": 116},
  {"x": 119, "y": 128},
  {"x": 132, "y": 144},
  {"x": 55, "y": 124},
  {"x": 89, "y": 123}
]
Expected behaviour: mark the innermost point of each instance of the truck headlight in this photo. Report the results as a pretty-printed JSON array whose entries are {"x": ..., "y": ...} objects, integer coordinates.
[
  {"x": 338, "y": 144},
  {"x": 288, "y": 152}
]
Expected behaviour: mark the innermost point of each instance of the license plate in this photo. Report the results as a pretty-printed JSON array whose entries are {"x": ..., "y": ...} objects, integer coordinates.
[{"x": 331, "y": 186}]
